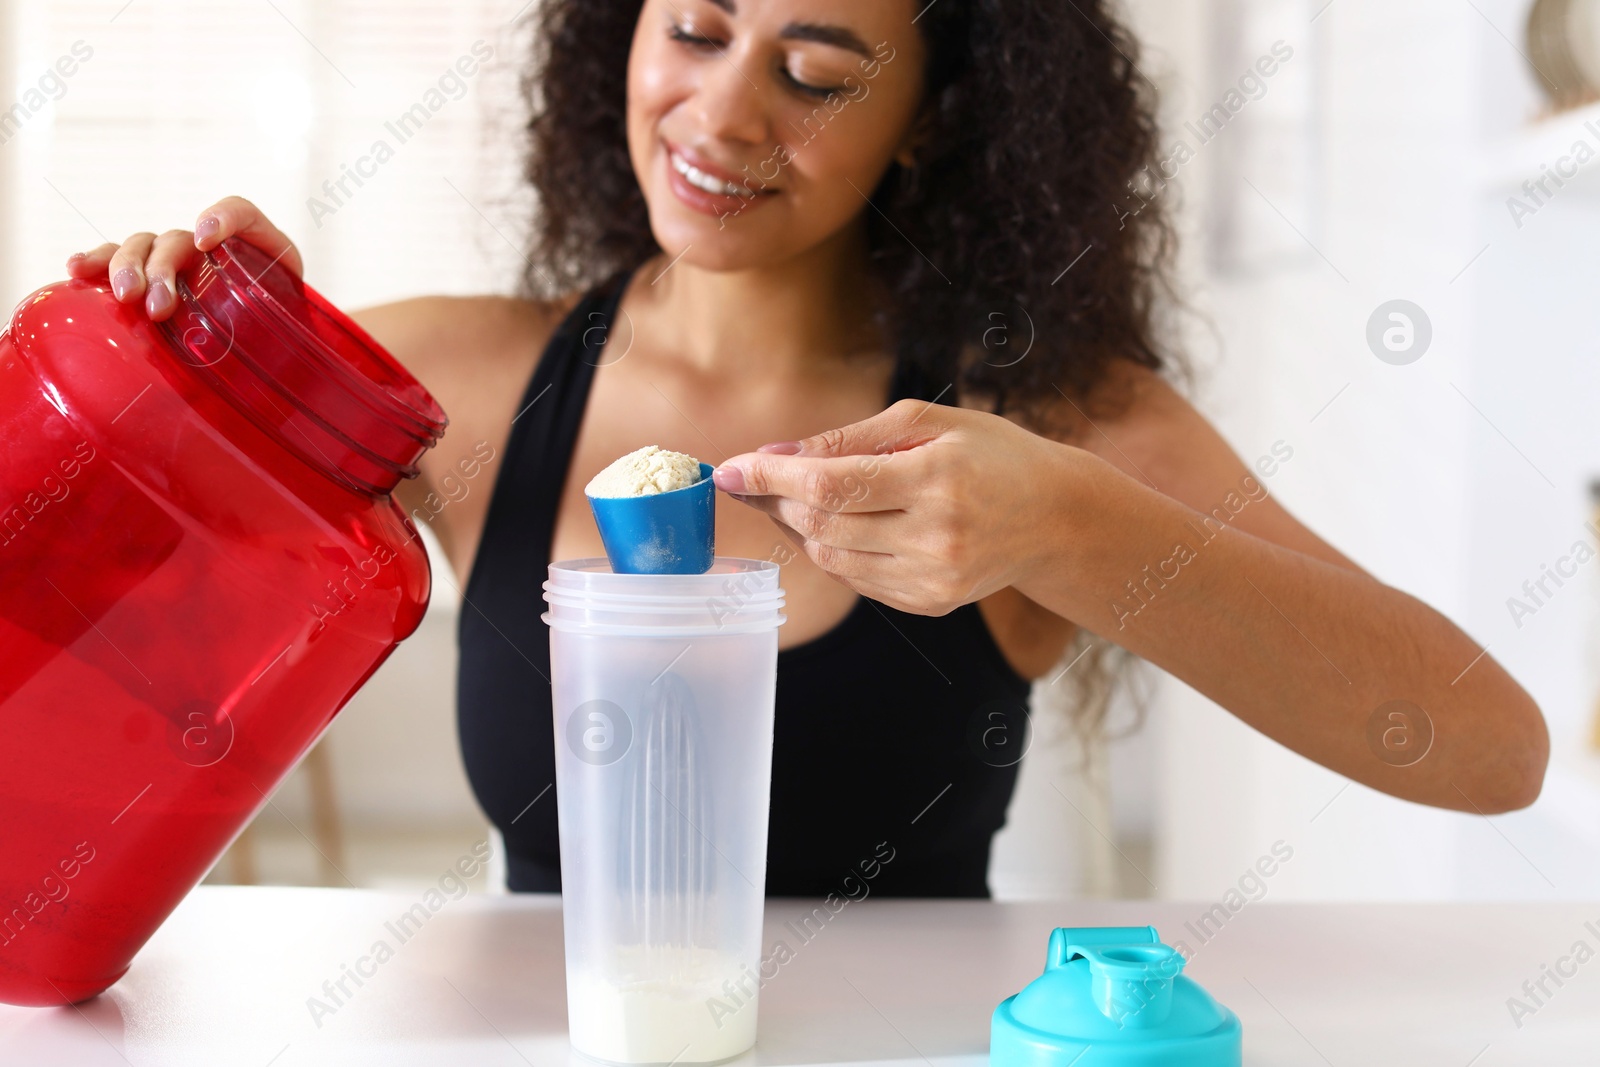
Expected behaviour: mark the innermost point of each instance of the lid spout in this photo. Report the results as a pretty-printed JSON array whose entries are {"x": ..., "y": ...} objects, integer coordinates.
[
  {"x": 1119, "y": 993},
  {"x": 1131, "y": 984}
]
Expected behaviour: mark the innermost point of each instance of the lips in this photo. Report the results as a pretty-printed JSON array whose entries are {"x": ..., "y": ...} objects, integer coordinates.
[{"x": 709, "y": 188}]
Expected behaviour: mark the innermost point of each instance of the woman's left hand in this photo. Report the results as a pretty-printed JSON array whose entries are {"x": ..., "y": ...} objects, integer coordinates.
[{"x": 923, "y": 507}]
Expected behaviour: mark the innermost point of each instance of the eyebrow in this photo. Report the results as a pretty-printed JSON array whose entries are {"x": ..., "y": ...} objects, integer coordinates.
[{"x": 837, "y": 36}]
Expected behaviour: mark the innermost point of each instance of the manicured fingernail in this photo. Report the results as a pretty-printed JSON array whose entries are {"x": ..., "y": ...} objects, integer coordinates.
[
  {"x": 124, "y": 282},
  {"x": 159, "y": 298},
  {"x": 74, "y": 259},
  {"x": 782, "y": 448},
  {"x": 729, "y": 479},
  {"x": 206, "y": 228}
]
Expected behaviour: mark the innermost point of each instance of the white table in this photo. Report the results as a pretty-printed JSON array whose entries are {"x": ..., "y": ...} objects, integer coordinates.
[{"x": 227, "y": 979}]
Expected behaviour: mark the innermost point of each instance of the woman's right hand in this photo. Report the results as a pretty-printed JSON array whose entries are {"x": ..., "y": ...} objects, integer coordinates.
[{"x": 143, "y": 268}]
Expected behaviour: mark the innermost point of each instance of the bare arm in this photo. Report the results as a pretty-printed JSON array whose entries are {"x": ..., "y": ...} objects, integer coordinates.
[
  {"x": 1147, "y": 530},
  {"x": 1180, "y": 556}
]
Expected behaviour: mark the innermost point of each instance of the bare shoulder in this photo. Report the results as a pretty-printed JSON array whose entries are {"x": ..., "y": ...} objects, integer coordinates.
[
  {"x": 1139, "y": 421},
  {"x": 473, "y": 353},
  {"x": 1142, "y": 424},
  {"x": 476, "y": 355},
  {"x": 1133, "y": 406},
  {"x": 452, "y": 342}
]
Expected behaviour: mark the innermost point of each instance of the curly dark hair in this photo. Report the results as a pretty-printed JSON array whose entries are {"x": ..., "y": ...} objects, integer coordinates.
[{"x": 1041, "y": 130}]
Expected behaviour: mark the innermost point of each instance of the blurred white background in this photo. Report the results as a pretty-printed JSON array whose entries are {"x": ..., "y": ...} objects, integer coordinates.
[{"x": 1374, "y": 165}]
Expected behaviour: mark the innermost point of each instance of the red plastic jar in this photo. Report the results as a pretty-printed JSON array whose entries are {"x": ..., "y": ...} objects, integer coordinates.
[{"x": 200, "y": 562}]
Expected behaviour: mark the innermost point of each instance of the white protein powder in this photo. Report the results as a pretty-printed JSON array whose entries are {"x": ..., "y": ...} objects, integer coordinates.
[
  {"x": 647, "y": 470},
  {"x": 664, "y": 1005}
]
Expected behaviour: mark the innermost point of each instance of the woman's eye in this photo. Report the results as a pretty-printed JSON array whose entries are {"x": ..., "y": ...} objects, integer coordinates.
[
  {"x": 689, "y": 37},
  {"x": 821, "y": 92},
  {"x": 686, "y": 36}
]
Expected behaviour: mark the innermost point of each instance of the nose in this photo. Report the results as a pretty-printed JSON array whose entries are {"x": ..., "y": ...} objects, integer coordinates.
[{"x": 728, "y": 103}]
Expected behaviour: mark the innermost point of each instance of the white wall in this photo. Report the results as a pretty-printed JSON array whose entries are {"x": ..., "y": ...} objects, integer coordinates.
[{"x": 1414, "y": 470}]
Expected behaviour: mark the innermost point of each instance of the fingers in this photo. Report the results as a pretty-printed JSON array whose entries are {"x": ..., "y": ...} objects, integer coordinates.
[
  {"x": 869, "y": 573},
  {"x": 832, "y": 469},
  {"x": 845, "y": 484},
  {"x": 849, "y": 566},
  {"x": 235, "y": 216},
  {"x": 788, "y": 531},
  {"x": 171, "y": 252},
  {"x": 878, "y": 591},
  {"x": 91, "y": 264},
  {"x": 145, "y": 267},
  {"x": 127, "y": 267},
  {"x": 874, "y": 532},
  {"x": 903, "y": 424}
]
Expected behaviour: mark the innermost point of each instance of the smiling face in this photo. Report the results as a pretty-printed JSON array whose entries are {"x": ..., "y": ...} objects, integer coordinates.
[{"x": 757, "y": 128}]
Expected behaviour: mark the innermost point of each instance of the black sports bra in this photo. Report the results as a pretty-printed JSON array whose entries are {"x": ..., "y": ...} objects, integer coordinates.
[{"x": 897, "y": 735}]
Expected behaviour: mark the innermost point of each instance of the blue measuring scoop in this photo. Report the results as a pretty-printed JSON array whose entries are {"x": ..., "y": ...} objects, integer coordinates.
[{"x": 660, "y": 533}]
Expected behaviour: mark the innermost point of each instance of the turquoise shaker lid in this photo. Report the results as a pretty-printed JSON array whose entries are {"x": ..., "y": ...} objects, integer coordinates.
[{"x": 1113, "y": 996}]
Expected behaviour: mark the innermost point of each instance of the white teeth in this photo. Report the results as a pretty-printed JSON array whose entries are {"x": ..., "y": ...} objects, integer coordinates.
[{"x": 701, "y": 180}]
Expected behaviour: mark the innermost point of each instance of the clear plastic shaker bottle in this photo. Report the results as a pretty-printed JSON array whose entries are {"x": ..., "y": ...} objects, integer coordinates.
[{"x": 664, "y": 688}]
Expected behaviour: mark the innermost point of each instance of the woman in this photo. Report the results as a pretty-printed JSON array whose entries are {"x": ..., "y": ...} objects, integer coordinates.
[{"x": 877, "y": 261}]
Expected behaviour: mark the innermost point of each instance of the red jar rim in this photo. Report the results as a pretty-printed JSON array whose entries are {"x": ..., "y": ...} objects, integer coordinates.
[
  {"x": 348, "y": 351},
  {"x": 301, "y": 368}
]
